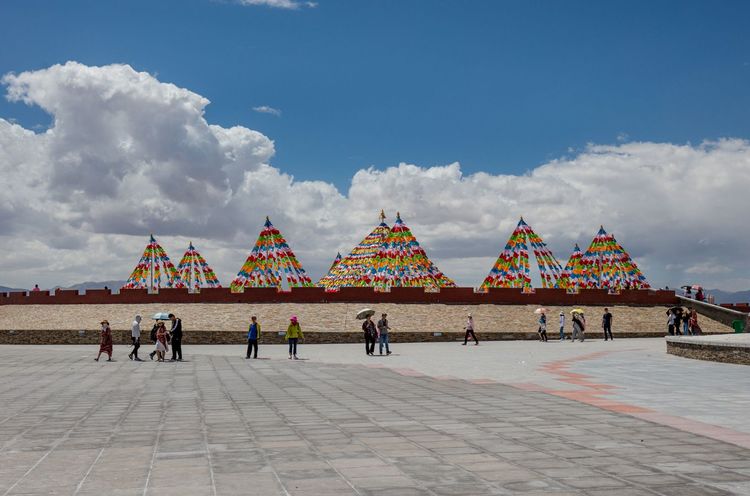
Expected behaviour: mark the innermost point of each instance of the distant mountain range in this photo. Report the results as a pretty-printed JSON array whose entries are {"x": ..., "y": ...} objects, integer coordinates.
[
  {"x": 5, "y": 289},
  {"x": 113, "y": 285},
  {"x": 729, "y": 296}
]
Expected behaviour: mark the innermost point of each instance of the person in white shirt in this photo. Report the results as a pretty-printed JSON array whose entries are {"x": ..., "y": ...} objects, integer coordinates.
[
  {"x": 470, "y": 331},
  {"x": 562, "y": 326},
  {"x": 135, "y": 335}
]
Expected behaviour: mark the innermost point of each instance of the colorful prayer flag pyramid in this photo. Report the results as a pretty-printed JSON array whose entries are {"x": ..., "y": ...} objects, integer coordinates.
[
  {"x": 355, "y": 269},
  {"x": 153, "y": 264},
  {"x": 572, "y": 269},
  {"x": 195, "y": 272},
  {"x": 401, "y": 262},
  {"x": 269, "y": 261},
  {"x": 605, "y": 264},
  {"x": 511, "y": 270},
  {"x": 336, "y": 261}
]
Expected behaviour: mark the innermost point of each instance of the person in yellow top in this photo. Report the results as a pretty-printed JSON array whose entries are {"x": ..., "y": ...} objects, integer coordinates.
[{"x": 293, "y": 334}]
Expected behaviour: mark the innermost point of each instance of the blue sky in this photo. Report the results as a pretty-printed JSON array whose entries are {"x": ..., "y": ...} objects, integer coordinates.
[{"x": 499, "y": 86}]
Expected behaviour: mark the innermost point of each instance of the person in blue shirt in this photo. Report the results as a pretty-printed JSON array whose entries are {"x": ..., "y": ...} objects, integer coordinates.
[{"x": 253, "y": 333}]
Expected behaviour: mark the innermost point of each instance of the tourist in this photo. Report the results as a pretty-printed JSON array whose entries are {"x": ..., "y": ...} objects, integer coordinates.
[
  {"x": 677, "y": 320},
  {"x": 253, "y": 333},
  {"x": 686, "y": 323},
  {"x": 162, "y": 341},
  {"x": 135, "y": 336},
  {"x": 699, "y": 294},
  {"x": 562, "y": 325},
  {"x": 176, "y": 333},
  {"x": 36, "y": 288},
  {"x": 293, "y": 335},
  {"x": 371, "y": 335},
  {"x": 579, "y": 326},
  {"x": 695, "y": 329},
  {"x": 607, "y": 324},
  {"x": 470, "y": 331},
  {"x": 152, "y": 336},
  {"x": 671, "y": 318},
  {"x": 383, "y": 329},
  {"x": 542, "y": 327},
  {"x": 105, "y": 341}
]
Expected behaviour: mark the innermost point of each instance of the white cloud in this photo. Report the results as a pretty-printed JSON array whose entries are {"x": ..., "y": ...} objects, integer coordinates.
[
  {"x": 265, "y": 109},
  {"x": 127, "y": 155},
  {"x": 279, "y": 4}
]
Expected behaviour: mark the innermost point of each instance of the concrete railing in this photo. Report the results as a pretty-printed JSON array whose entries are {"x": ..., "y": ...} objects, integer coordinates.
[{"x": 718, "y": 313}]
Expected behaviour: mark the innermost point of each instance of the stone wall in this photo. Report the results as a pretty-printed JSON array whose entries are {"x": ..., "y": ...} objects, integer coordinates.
[
  {"x": 714, "y": 353},
  {"x": 715, "y": 312},
  {"x": 450, "y": 296},
  {"x": 220, "y": 323}
]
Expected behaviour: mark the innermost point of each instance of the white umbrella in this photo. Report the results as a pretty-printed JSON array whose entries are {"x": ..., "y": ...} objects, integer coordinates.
[
  {"x": 695, "y": 286},
  {"x": 161, "y": 316},
  {"x": 364, "y": 313},
  {"x": 540, "y": 310}
]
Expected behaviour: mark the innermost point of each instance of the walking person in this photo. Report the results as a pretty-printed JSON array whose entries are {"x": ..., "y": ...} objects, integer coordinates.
[
  {"x": 579, "y": 327},
  {"x": 152, "y": 337},
  {"x": 371, "y": 335},
  {"x": 162, "y": 341},
  {"x": 607, "y": 324},
  {"x": 542, "y": 327},
  {"x": 470, "y": 331},
  {"x": 293, "y": 335},
  {"x": 176, "y": 333},
  {"x": 105, "y": 341},
  {"x": 671, "y": 318},
  {"x": 686, "y": 323},
  {"x": 562, "y": 325},
  {"x": 135, "y": 336},
  {"x": 383, "y": 329},
  {"x": 695, "y": 329},
  {"x": 253, "y": 333}
]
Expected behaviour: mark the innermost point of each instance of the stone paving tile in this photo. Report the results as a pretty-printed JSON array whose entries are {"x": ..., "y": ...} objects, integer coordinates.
[{"x": 222, "y": 425}]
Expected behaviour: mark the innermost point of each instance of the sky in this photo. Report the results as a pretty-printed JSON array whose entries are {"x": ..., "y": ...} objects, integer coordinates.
[{"x": 195, "y": 119}]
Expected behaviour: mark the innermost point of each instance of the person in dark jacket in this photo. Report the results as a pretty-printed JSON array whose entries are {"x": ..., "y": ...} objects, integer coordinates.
[
  {"x": 253, "y": 333},
  {"x": 176, "y": 333},
  {"x": 607, "y": 324},
  {"x": 371, "y": 335}
]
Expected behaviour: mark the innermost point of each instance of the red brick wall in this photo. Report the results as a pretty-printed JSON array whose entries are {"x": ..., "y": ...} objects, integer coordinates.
[{"x": 458, "y": 296}]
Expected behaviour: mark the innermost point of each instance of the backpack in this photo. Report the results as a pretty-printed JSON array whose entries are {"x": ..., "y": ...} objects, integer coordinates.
[{"x": 153, "y": 334}]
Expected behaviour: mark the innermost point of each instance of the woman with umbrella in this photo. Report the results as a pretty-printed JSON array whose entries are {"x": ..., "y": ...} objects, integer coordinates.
[
  {"x": 698, "y": 293},
  {"x": 369, "y": 330},
  {"x": 105, "y": 341}
]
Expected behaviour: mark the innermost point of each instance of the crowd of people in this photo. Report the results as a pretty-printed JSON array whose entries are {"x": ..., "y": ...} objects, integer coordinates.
[
  {"x": 679, "y": 321},
  {"x": 683, "y": 321},
  {"x": 578, "y": 325}
]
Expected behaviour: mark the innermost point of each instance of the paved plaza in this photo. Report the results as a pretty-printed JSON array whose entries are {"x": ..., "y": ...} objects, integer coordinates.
[{"x": 435, "y": 419}]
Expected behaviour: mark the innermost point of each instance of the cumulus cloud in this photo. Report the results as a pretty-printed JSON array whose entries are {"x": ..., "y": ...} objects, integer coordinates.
[
  {"x": 265, "y": 109},
  {"x": 279, "y": 4},
  {"x": 127, "y": 155}
]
